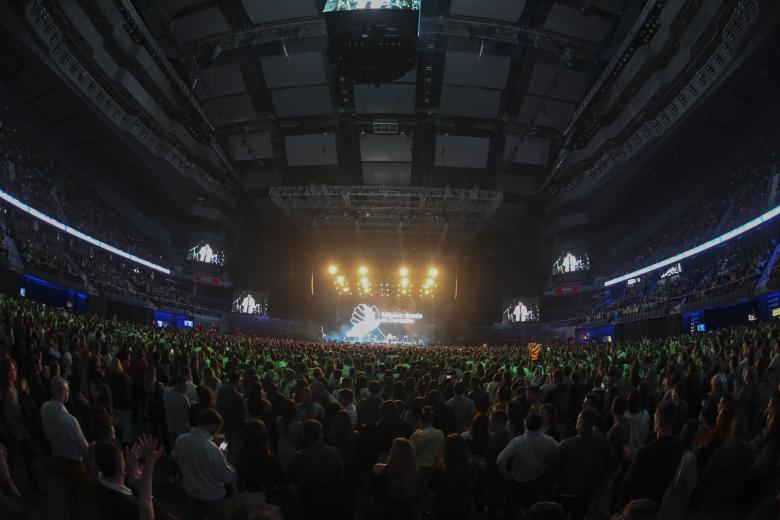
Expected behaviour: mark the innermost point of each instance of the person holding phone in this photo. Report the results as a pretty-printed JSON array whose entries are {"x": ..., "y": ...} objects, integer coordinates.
[{"x": 204, "y": 467}]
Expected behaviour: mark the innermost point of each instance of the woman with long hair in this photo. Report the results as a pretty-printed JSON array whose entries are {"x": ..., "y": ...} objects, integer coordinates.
[
  {"x": 477, "y": 435},
  {"x": 454, "y": 481},
  {"x": 259, "y": 470},
  {"x": 395, "y": 486}
]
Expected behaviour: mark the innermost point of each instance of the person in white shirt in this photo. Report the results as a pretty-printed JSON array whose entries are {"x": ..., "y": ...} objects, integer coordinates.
[
  {"x": 204, "y": 467},
  {"x": 520, "y": 313},
  {"x": 531, "y": 454},
  {"x": 569, "y": 263},
  {"x": 205, "y": 253},
  {"x": 247, "y": 305},
  {"x": 69, "y": 447}
]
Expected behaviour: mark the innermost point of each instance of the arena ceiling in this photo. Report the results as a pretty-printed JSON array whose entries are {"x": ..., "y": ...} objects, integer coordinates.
[{"x": 235, "y": 99}]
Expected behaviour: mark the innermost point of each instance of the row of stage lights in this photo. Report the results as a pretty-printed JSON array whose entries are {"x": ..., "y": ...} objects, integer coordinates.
[{"x": 365, "y": 287}]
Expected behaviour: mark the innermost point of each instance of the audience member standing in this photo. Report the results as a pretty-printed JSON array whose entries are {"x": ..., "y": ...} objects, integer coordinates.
[
  {"x": 495, "y": 485},
  {"x": 395, "y": 486},
  {"x": 530, "y": 455},
  {"x": 453, "y": 482},
  {"x": 368, "y": 408},
  {"x": 319, "y": 471},
  {"x": 177, "y": 408},
  {"x": 204, "y": 467},
  {"x": 677, "y": 496},
  {"x": 462, "y": 406},
  {"x": 655, "y": 464},
  {"x": 308, "y": 408},
  {"x": 584, "y": 460},
  {"x": 69, "y": 448},
  {"x": 724, "y": 477},
  {"x": 122, "y": 393},
  {"x": 428, "y": 443}
]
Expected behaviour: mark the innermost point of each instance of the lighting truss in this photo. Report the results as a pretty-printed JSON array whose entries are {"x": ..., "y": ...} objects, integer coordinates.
[{"x": 333, "y": 211}]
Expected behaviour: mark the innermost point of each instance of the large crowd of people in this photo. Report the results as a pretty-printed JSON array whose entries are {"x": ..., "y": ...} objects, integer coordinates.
[
  {"x": 729, "y": 269},
  {"x": 139, "y": 422},
  {"x": 37, "y": 178},
  {"x": 744, "y": 193}
]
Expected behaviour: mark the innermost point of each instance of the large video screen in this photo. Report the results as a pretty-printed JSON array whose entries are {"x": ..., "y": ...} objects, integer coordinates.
[
  {"x": 381, "y": 320},
  {"x": 571, "y": 262},
  {"x": 356, "y": 5},
  {"x": 250, "y": 302},
  {"x": 520, "y": 310},
  {"x": 206, "y": 253}
]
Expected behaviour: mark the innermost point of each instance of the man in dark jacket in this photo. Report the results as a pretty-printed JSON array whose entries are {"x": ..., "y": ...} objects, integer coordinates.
[
  {"x": 231, "y": 406},
  {"x": 656, "y": 463},
  {"x": 368, "y": 408},
  {"x": 583, "y": 460},
  {"x": 495, "y": 485},
  {"x": 319, "y": 472}
]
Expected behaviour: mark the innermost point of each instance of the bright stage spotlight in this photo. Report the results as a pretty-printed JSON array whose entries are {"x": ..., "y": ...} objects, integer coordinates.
[
  {"x": 429, "y": 282},
  {"x": 403, "y": 272},
  {"x": 364, "y": 281},
  {"x": 433, "y": 272},
  {"x": 332, "y": 269},
  {"x": 362, "y": 270},
  {"x": 404, "y": 282},
  {"x": 340, "y": 279}
]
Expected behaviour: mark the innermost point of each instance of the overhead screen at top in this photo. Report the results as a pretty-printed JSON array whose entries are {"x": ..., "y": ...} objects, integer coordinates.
[{"x": 356, "y": 5}]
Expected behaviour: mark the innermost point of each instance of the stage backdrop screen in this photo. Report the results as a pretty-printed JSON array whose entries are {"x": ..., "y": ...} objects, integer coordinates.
[
  {"x": 206, "y": 253},
  {"x": 571, "y": 262},
  {"x": 250, "y": 302},
  {"x": 382, "y": 320},
  {"x": 356, "y": 5},
  {"x": 520, "y": 310}
]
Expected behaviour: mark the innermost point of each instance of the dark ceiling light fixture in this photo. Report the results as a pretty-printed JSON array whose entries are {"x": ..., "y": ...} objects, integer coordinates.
[{"x": 372, "y": 45}]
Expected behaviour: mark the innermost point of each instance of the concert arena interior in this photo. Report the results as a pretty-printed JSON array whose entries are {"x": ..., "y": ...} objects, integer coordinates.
[{"x": 390, "y": 259}]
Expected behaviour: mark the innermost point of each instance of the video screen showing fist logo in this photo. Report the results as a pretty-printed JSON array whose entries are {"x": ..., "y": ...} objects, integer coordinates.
[{"x": 365, "y": 319}]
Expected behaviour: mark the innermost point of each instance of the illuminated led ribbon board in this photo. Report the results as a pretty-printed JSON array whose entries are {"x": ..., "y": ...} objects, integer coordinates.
[
  {"x": 698, "y": 249},
  {"x": 78, "y": 234}
]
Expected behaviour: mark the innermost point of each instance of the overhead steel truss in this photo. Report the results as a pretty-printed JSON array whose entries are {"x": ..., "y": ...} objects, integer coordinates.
[
  {"x": 342, "y": 211},
  {"x": 468, "y": 28}
]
